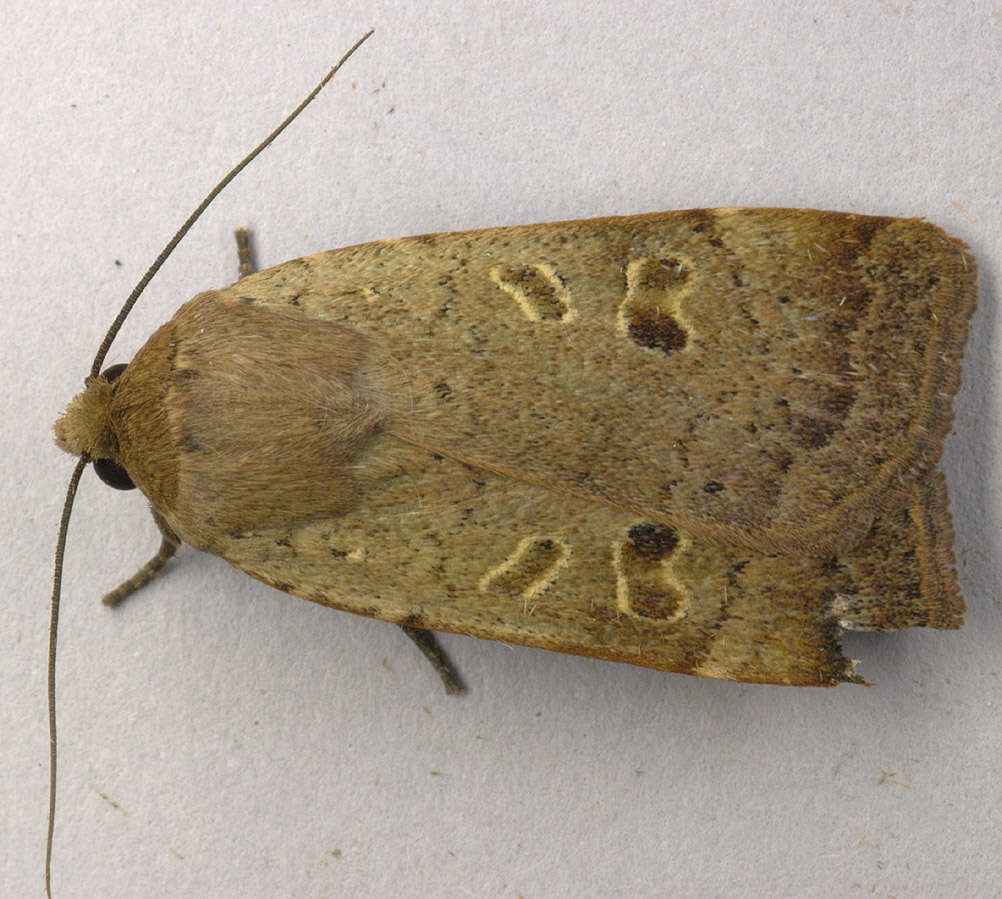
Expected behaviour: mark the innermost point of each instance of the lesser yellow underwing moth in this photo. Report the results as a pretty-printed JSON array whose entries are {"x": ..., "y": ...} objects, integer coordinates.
[{"x": 700, "y": 441}]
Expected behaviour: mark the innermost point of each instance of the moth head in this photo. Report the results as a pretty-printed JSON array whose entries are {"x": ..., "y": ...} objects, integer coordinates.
[{"x": 86, "y": 429}]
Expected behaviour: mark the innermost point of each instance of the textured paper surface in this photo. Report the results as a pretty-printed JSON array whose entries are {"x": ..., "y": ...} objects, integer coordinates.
[{"x": 226, "y": 739}]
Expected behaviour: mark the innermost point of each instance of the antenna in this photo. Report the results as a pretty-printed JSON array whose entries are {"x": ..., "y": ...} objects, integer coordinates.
[{"x": 116, "y": 325}]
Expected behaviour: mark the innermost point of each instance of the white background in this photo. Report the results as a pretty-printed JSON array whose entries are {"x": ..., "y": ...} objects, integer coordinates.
[{"x": 221, "y": 739}]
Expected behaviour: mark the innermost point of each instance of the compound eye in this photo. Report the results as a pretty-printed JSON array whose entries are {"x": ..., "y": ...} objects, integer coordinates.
[
  {"x": 109, "y": 471},
  {"x": 111, "y": 373}
]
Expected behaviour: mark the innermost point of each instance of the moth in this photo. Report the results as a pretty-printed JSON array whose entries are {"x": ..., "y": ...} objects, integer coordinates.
[{"x": 701, "y": 441}]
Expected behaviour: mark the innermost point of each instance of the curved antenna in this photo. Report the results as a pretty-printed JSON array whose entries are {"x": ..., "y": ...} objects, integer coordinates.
[
  {"x": 57, "y": 584},
  {"x": 116, "y": 325},
  {"x": 57, "y": 576}
]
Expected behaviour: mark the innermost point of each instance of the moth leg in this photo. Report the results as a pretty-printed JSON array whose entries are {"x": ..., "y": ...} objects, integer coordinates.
[
  {"x": 245, "y": 253},
  {"x": 434, "y": 653},
  {"x": 169, "y": 544}
]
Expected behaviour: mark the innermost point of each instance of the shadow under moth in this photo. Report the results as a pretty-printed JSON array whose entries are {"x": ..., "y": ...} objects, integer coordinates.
[{"x": 703, "y": 441}]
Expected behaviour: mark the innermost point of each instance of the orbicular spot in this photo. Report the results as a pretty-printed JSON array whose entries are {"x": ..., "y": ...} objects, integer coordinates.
[
  {"x": 646, "y": 584},
  {"x": 649, "y": 314},
  {"x": 538, "y": 290},
  {"x": 529, "y": 569}
]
